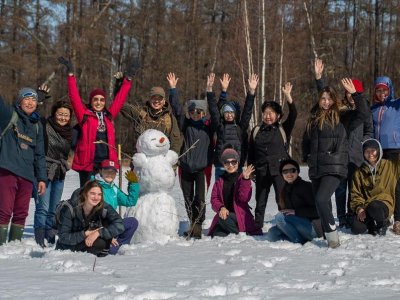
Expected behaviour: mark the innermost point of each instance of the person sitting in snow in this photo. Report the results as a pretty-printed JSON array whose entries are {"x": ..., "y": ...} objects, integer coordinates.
[
  {"x": 373, "y": 191},
  {"x": 230, "y": 197},
  {"x": 198, "y": 133},
  {"x": 115, "y": 197},
  {"x": 232, "y": 127},
  {"x": 297, "y": 220},
  {"x": 88, "y": 224}
]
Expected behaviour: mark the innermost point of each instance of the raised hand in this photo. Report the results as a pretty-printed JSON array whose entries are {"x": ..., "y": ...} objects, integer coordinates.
[
  {"x": 43, "y": 92},
  {"x": 210, "y": 82},
  {"x": 131, "y": 176},
  {"x": 67, "y": 63},
  {"x": 253, "y": 81},
  {"x": 248, "y": 171},
  {"x": 172, "y": 80},
  {"x": 287, "y": 90},
  {"x": 118, "y": 75},
  {"x": 133, "y": 68},
  {"x": 348, "y": 85},
  {"x": 318, "y": 68},
  {"x": 225, "y": 80}
]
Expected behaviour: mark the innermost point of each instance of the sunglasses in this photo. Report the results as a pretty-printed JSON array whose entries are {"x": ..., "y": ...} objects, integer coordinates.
[
  {"x": 289, "y": 171},
  {"x": 195, "y": 111},
  {"x": 230, "y": 162}
]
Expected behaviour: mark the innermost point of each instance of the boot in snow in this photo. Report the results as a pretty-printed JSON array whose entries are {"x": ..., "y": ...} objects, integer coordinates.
[
  {"x": 3, "y": 234},
  {"x": 16, "y": 232},
  {"x": 39, "y": 237},
  {"x": 50, "y": 236},
  {"x": 332, "y": 239},
  {"x": 197, "y": 231}
]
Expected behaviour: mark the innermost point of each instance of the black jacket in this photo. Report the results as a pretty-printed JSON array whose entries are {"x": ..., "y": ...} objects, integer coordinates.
[
  {"x": 234, "y": 133},
  {"x": 71, "y": 230},
  {"x": 268, "y": 148},
  {"x": 199, "y": 157},
  {"x": 300, "y": 197}
]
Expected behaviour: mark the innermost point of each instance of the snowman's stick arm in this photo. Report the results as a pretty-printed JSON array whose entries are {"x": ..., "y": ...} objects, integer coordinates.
[
  {"x": 115, "y": 148},
  {"x": 190, "y": 148}
]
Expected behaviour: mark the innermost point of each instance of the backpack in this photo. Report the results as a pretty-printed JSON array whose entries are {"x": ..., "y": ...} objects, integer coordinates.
[{"x": 13, "y": 123}]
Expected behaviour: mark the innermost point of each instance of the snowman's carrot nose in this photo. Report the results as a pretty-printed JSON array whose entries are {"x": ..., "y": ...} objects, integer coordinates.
[{"x": 162, "y": 140}]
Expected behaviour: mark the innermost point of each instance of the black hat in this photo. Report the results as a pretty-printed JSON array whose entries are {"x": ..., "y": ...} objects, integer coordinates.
[{"x": 289, "y": 161}]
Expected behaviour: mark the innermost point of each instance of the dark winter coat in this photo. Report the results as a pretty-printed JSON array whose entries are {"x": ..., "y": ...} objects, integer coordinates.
[
  {"x": 199, "y": 157},
  {"x": 300, "y": 197},
  {"x": 71, "y": 230},
  {"x": 268, "y": 148},
  {"x": 386, "y": 118},
  {"x": 356, "y": 136},
  {"x": 22, "y": 148},
  {"x": 146, "y": 118},
  {"x": 234, "y": 133},
  {"x": 241, "y": 198},
  {"x": 57, "y": 150}
]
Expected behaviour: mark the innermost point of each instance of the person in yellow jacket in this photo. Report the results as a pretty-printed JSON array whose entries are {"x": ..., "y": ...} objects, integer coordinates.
[{"x": 373, "y": 191}]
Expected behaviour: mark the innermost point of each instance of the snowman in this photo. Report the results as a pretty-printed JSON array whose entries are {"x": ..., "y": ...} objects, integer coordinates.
[{"x": 155, "y": 210}]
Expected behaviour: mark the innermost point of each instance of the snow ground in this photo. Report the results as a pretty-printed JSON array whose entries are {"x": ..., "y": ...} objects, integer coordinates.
[{"x": 236, "y": 267}]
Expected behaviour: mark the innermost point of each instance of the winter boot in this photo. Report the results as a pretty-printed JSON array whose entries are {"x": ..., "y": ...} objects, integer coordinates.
[
  {"x": 197, "y": 231},
  {"x": 3, "y": 234},
  {"x": 382, "y": 227},
  {"x": 50, "y": 236},
  {"x": 395, "y": 229},
  {"x": 16, "y": 232},
  {"x": 332, "y": 239},
  {"x": 39, "y": 237}
]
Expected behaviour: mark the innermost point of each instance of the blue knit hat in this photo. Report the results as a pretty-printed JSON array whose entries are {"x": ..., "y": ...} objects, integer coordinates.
[
  {"x": 228, "y": 108},
  {"x": 26, "y": 92}
]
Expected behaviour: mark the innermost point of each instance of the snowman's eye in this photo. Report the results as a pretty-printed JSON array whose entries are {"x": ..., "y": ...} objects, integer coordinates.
[{"x": 153, "y": 139}]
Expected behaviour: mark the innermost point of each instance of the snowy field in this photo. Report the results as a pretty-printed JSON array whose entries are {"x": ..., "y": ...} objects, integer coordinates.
[{"x": 236, "y": 267}]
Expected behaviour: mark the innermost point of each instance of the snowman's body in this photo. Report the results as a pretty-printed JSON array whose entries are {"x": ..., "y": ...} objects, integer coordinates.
[{"x": 156, "y": 210}]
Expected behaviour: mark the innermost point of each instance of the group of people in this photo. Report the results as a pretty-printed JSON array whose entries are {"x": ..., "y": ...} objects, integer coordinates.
[{"x": 347, "y": 146}]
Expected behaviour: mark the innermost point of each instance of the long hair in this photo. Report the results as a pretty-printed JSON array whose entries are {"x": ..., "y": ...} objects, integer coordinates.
[
  {"x": 320, "y": 117},
  {"x": 83, "y": 195}
]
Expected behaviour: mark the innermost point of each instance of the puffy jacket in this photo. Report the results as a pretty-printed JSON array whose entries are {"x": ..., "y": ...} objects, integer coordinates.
[
  {"x": 374, "y": 183},
  {"x": 386, "y": 118},
  {"x": 71, "y": 230},
  {"x": 241, "y": 198},
  {"x": 234, "y": 133},
  {"x": 85, "y": 148},
  {"x": 300, "y": 197},
  {"x": 115, "y": 197},
  {"x": 22, "y": 148}
]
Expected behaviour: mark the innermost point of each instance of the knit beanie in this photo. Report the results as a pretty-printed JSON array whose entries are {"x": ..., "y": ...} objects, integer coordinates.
[
  {"x": 26, "y": 92},
  {"x": 229, "y": 153},
  {"x": 289, "y": 162},
  {"x": 197, "y": 104},
  {"x": 228, "y": 108},
  {"x": 96, "y": 92}
]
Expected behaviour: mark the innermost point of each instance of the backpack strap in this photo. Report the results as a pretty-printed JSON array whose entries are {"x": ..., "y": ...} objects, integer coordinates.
[
  {"x": 281, "y": 130},
  {"x": 59, "y": 208},
  {"x": 13, "y": 122}
]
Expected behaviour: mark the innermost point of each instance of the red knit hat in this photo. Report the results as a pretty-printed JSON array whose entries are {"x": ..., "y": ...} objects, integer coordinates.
[
  {"x": 358, "y": 85},
  {"x": 96, "y": 92},
  {"x": 109, "y": 164}
]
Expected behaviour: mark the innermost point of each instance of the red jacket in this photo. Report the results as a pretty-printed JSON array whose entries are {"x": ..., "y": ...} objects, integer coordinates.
[
  {"x": 241, "y": 198},
  {"x": 85, "y": 148}
]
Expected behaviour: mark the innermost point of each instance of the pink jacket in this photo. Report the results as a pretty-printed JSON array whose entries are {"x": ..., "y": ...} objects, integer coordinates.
[
  {"x": 241, "y": 198},
  {"x": 85, "y": 148}
]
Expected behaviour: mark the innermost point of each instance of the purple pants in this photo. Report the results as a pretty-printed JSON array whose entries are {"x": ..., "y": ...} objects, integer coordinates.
[
  {"x": 15, "y": 195},
  {"x": 130, "y": 224}
]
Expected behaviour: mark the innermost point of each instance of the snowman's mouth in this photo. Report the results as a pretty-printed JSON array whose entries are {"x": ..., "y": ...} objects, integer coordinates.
[{"x": 160, "y": 146}]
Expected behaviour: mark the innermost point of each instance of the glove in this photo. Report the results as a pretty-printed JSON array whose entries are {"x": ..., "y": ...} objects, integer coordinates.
[
  {"x": 131, "y": 177},
  {"x": 43, "y": 93},
  {"x": 67, "y": 64},
  {"x": 132, "y": 69}
]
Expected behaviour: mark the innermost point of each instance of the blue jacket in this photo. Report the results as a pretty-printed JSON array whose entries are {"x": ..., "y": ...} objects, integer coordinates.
[
  {"x": 22, "y": 148},
  {"x": 386, "y": 118},
  {"x": 115, "y": 197}
]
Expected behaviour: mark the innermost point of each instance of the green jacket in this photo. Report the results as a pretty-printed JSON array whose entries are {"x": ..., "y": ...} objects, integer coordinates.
[
  {"x": 367, "y": 187},
  {"x": 115, "y": 197}
]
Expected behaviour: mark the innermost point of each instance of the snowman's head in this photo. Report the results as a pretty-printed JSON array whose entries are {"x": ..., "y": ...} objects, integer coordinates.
[{"x": 152, "y": 142}]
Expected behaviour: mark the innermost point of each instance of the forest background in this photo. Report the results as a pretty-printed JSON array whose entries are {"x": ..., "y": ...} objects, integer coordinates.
[{"x": 276, "y": 39}]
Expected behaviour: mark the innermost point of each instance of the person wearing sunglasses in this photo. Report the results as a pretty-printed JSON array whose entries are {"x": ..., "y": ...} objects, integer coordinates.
[
  {"x": 156, "y": 113},
  {"x": 22, "y": 161},
  {"x": 230, "y": 196},
  {"x": 57, "y": 140},
  {"x": 297, "y": 220},
  {"x": 196, "y": 156},
  {"x": 96, "y": 122},
  {"x": 232, "y": 126}
]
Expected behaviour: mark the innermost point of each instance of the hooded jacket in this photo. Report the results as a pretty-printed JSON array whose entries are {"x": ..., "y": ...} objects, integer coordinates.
[
  {"x": 386, "y": 117},
  {"x": 22, "y": 148},
  {"x": 372, "y": 183},
  {"x": 85, "y": 148}
]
